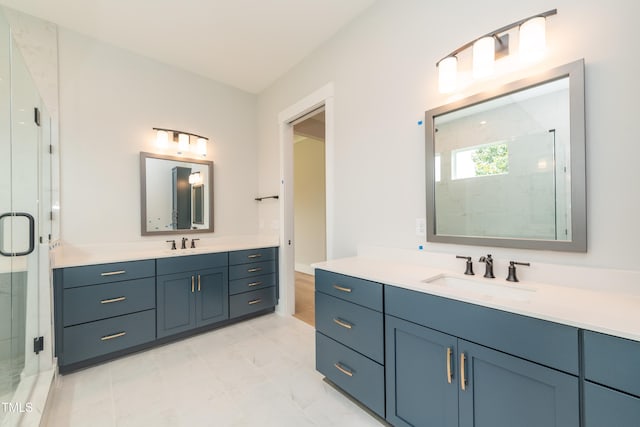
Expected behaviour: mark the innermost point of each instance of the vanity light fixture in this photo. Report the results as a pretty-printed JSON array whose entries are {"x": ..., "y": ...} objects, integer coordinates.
[
  {"x": 183, "y": 141},
  {"x": 494, "y": 45},
  {"x": 195, "y": 178}
]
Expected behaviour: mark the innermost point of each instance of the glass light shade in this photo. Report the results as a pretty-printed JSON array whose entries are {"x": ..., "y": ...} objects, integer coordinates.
[
  {"x": 162, "y": 139},
  {"x": 201, "y": 147},
  {"x": 195, "y": 178},
  {"x": 533, "y": 39},
  {"x": 448, "y": 74},
  {"x": 183, "y": 143},
  {"x": 483, "y": 57}
]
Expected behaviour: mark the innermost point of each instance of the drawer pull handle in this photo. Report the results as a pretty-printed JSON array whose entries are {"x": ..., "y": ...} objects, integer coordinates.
[
  {"x": 198, "y": 283},
  {"x": 343, "y": 323},
  {"x": 192, "y": 283},
  {"x": 109, "y": 301},
  {"x": 253, "y": 256},
  {"x": 449, "y": 372},
  {"x": 110, "y": 337},
  {"x": 255, "y": 301},
  {"x": 343, "y": 289},
  {"x": 342, "y": 369},
  {"x": 463, "y": 377},
  {"x": 254, "y": 284},
  {"x": 254, "y": 270},
  {"x": 113, "y": 273}
]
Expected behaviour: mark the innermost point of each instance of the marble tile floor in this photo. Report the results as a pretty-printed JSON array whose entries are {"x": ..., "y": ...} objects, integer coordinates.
[{"x": 259, "y": 372}]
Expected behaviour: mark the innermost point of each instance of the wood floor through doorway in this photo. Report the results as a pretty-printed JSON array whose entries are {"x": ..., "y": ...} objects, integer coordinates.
[{"x": 305, "y": 299}]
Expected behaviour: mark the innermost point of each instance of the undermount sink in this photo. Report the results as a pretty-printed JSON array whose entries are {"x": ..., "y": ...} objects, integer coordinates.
[{"x": 482, "y": 287}]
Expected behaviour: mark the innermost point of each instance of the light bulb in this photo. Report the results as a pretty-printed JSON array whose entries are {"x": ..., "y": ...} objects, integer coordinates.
[
  {"x": 447, "y": 74},
  {"x": 533, "y": 39},
  {"x": 201, "y": 147},
  {"x": 183, "y": 143},
  {"x": 483, "y": 57},
  {"x": 162, "y": 139}
]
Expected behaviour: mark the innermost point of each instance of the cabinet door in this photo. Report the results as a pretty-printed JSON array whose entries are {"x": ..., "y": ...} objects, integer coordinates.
[
  {"x": 176, "y": 303},
  {"x": 605, "y": 407},
  {"x": 422, "y": 388},
  {"x": 506, "y": 391},
  {"x": 212, "y": 296}
]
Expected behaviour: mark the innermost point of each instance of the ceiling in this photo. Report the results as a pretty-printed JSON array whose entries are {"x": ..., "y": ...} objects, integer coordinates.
[{"x": 247, "y": 44}]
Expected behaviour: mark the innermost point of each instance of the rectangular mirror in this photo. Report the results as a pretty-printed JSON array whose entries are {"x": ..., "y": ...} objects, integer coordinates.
[
  {"x": 173, "y": 196},
  {"x": 507, "y": 168}
]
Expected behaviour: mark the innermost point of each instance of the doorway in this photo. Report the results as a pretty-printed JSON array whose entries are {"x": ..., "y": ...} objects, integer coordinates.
[
  {"x": 287, "y": 118},
  {"x": 309, "y": 208}
]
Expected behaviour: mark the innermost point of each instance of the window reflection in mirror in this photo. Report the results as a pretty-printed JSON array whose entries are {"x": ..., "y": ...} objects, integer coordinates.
[{"x": 173, "y": 196}]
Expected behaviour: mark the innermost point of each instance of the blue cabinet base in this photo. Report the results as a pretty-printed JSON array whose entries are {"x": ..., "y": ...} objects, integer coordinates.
[{"x": 72, "y": 367}]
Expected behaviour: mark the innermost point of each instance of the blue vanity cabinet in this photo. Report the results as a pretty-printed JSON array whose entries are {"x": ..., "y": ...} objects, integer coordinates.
[
  {"x": 439, "y": 377},
  {"x": 350, "y": 336},
  {"x": 103, "y": 309},
  {"x": 421, "y": 375},
  {"x": 253, "y": 281},
  {"x": 192, "y": 291},
  {"x": 612, "y": 381}
]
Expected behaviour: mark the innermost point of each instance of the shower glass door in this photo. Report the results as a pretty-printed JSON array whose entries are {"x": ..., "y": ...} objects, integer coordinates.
[{"x": 21, "y": 144}]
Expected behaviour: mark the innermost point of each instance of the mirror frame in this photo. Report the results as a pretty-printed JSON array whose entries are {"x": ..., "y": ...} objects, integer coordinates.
[
  {"x": 575, "y": 72},
  {"x": 143, "y": 193}
]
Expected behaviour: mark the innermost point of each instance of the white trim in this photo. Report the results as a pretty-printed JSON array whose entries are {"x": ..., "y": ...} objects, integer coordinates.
[{"x": 324, "y": 95}]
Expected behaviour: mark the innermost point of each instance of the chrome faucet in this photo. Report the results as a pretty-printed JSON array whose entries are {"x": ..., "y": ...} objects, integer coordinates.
[
  {"x": 184, "y": 243},
  {"x": 488, "y": 261}
]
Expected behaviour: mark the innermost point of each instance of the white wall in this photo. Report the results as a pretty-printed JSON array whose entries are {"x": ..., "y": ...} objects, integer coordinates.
[
  {"x": 384, "y": 74},
  {"x": 309, "y": 203},
  {"x": 109, "y": 101}
]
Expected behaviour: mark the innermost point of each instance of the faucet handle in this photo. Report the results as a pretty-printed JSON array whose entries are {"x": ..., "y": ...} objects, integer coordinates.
[
  {"x": 173, "y": 244},
  {"x": 469, "y": 269},
  {"x": 193, "y": 243},
  {"x": 511, "y": 277}
]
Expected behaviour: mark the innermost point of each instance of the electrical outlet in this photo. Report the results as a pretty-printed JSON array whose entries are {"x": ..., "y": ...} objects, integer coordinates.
[{"x": 421, "y": 227}]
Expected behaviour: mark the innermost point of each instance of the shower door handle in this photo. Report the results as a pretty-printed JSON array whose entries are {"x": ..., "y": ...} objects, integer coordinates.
[{"x": 32, "y": 233}]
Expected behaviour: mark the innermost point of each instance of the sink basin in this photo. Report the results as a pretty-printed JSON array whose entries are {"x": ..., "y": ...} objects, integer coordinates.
[{"x": 483, "y": 287}]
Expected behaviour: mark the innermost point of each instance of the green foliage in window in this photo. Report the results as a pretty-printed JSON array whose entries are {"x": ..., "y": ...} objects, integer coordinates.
[{"x": 491, "y": 160}]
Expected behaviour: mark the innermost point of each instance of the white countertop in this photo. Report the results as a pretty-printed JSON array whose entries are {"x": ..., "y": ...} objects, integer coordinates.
[
  {"x": 614, "y": 313},
  {"x": 74, "y": 256}
]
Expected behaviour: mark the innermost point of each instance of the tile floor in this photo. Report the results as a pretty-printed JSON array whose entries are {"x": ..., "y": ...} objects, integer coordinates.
[{"x": 259, "y": 372}]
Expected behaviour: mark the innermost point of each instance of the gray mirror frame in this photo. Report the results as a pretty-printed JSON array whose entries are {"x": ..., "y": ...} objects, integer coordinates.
[
  {"x": 143, "y": 194},
  {"x": 575, "y": 72}
]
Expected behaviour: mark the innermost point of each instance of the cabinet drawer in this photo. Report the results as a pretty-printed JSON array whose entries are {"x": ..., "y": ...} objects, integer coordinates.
[
  {"x": 180, "y": 264},
  {"x": 252, "y": 255},
  {"x": 547, "y": 343},
  {"x": 251, "y": 283},
  {"x": 357, "y": 375},
  {"x": 612, "y": 361},
  {"x": 357, "y": 327},
  {"x": 604, "y": 407},
  {"x": 88, "y": 303},
  {"x": 103, "y": 273},
  {"x": 250, "y": 302},
  {"x": 105, "y": 336},
  {"x": 251, "y": 270},
  {"x": 352, "y": 289}
]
